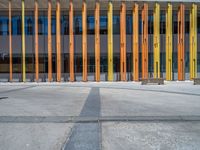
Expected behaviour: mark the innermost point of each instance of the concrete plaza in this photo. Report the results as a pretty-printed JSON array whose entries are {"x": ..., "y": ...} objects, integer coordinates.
[{"x": 95, "y": 116}]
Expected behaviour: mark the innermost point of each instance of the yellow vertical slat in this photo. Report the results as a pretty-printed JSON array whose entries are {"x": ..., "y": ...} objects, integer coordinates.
[
  {"x": 10, "y": 41},
  {"x": 23, "y": 45},
  {"x": 169, "y": 42},
  {"x": 97, "y": 41},
  {"x": 193, "y": 41},
  {"x": 110, "y": 41},
  {"x": 135, "y": 42},
  {"x": 157, "y": 41}
]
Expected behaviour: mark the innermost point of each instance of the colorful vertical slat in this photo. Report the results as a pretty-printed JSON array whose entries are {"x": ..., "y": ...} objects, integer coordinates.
[
  {"x": 49, "y": 43},
  {"x": 169, "y": 42},
  {"x": 156, "y": 40},
  {"x": 36, "y": 43},
  {"x": 58, "y": 42},
  {"x": 181, "y": 40},
  {"x": 193, "y": 42},
  {"x": 71, "y": 40},
  {"x": 97, "y": 42},
  {"x": 23, "y": 44},
  {"x": 123, "y": 42},
  {"x": 110, "y": 41},
  {"x": 84, "y": 40},
  {"x": 135, "y": 43},
  {"x": 145, "y": 41},
  {"x": 10, "y": 42}
]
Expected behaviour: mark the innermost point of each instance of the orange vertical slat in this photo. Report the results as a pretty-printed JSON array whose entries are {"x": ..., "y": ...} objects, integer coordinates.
[
  {"x": 71, "y": 40},
  {"x": 135, "y": 43},
  {"x": 49, "y": 43},
  {"x": 97, "y": 42},
  {"x": 181, "y": 49},
  {"x": 84, "y": 40},
  {"x": 10, "y": 41},
  {"x": 58, "y": 44},
  {"x": 36, "y": 42},
  {"x": 123, "y": 42},
  {"x": 145, "y": 41}
]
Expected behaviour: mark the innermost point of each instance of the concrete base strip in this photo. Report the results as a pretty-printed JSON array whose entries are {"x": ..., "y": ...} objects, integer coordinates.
[{"x": 76, "y": 119}]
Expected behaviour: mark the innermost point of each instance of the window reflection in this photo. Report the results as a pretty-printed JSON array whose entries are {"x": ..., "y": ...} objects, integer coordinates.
[
  {"x": 4, "y": 26},
  {"x": 78, "y": 24}
]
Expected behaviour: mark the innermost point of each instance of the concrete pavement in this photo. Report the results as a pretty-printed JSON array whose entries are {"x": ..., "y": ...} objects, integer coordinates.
[{"x": 94, "y": 116}]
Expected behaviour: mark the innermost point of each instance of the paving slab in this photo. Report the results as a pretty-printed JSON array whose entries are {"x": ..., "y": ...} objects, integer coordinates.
[
  {"x": 43, "y": 101},
  {"x": 123, "y": 102},
  {"x": 20, "y": 136},
  {"x": 151, "y": 136}
]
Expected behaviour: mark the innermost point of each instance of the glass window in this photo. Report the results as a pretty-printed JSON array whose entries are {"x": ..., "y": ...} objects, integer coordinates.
[
  {"x": 103, "y": 24},
  {"x": 162, "y": 23},
  {"x": 150, "y": 23},
  {"x": 65, "y": 25},
  {"x": 42, "y": 25},
  {"x": 198, "y": 24},
  {"x": 53, "y": 25},
  {"x": 78, "y": 24},
  {"x": 129, "y": 23},
  {"x": 116, "y": 25},
  {"x": 90, "y": 25},
  {"x": 29, "y": 25},
  {"x": 187, "y": 21},
  {"x": 4, "y": 26}
]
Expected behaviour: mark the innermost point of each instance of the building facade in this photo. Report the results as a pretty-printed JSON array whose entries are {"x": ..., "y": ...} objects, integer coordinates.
[{"x": 102, "y": 40}]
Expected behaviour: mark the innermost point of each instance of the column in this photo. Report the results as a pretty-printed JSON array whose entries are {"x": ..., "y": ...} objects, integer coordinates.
[
  {"x": 23, "y": 44},
  {"x": 181, "y": 40},
  {"x": 156, "y": 41},
  {"x": 10, "y": 42},
  {"x": 58, "y": 42},
  {"x": 36, "y": 43},
  {"x": 84, "y": 40},
  {"x": 145, "y": 41},
  {"x": 123, "y": 42},
  {"x": 110, "y": 41},
  {"x": 49, "y": 43},
  {"x": 97, "y": 42},
  {"x": 193, "y": 42},
  {"x": 169, "y": 42},
  {"x": 135, "y": 43},
  {"x": 71, "y": 40}
]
